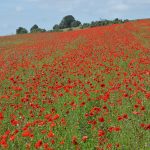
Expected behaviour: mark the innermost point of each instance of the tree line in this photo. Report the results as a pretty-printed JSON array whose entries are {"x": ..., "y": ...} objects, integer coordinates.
[{"x": 69, "y": 22}]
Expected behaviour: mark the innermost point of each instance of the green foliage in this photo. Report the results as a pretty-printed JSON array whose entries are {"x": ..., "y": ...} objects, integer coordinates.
[
  {"x": 116, "y": 21},
  {"x": 21, "y": 30},
  {"x": 38, "y": 30},
  {"x": 49, "y": 30},
  {"x": 56, "y": 27},
  {"x": 103, "y": 23},
  {"x": 94, "y": 24},
  {"x": 126, "y": 20},
  {"x": 43, "y": 30},
  {"x": 35, "y": 29},
  {"x": 66, "y": 22},
  {"x": 85, "y": 25},
  {"x": 70, "y": 22},
  {"x": 75, "y": 23}
]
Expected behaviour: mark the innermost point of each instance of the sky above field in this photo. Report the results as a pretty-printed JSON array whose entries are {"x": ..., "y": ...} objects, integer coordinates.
[{"x": 46, "y": 13}]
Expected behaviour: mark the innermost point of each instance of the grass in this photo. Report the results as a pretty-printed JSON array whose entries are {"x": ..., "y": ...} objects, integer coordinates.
[{"x": 85, "y": 89}]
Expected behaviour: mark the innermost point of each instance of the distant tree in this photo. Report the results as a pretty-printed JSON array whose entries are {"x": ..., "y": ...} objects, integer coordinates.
[
  {"x": 66, "y": 22},
  {"x": 106, "y": 22},
  {"x": 126, "y": 20},
  {"x": 43, "y": 30},
  {"x": 75, "y": 23},
  {"x": 38, "y": 30},
  {"x": 56, "y": 27},
  {"x": 21, "y": 30},
  {"x": 116, "y": 21},
  {"x": 94, "y": 23},
  {"x": 49, "y": 30},
  {"x": 85, "y": 25},
  {"x": 34, "y": 28},
  {"x": 103, "y": 22}
]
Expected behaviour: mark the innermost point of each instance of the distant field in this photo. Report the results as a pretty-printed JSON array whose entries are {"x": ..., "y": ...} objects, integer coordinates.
[{"x": 84, "y": 89}]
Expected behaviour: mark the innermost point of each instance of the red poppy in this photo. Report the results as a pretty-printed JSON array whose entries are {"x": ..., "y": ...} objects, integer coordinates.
[
  {"x": 84, "y": 138},
  {"x": 56, "y": 117},
  {"x": 74, "y": 140},
  {"x": 38, "y": 144},
  {"x": 102, "y": 85},
  {"x": 51, "y": 134},
  {"x": 1, "y": 116},
  {"x": 101, "y": 133},
  {"x": 101, "y": 119},
  {"x": 26, "y": 133}
]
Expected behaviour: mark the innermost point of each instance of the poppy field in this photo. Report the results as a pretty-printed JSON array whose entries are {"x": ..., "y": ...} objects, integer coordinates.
[{"x": 80, "y": 90}]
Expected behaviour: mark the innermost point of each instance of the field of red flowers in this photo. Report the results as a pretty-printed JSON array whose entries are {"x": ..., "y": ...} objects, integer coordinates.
[{"x": 84, "y": 90}]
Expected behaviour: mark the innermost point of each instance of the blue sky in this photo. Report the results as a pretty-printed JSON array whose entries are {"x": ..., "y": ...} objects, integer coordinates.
[{"x": 46, "y": 13}]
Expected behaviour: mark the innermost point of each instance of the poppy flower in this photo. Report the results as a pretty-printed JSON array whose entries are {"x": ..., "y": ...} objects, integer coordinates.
[
  {"x": 101, "y": 133},
  {"x": 1, "y": 116},
  {"x": 84, "y": 138},
  {"x": 38, "y": 144},
  {"x": 74, "y": 140},
  {"x": 101, "y": 119},
  {"x": 51, "y": 134}
]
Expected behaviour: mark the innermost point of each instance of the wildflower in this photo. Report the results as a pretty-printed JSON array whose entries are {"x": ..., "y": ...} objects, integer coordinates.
[
  {"x": 51, "y": 134},
  {"x": 101, "y": 119},
  {"x": 38, "y": 144},
  {"x": 26, "y": 133},
  {"x": 3, "y": 143},
  {"x": 62, "y": 142},
  {"x": 101, "y": 133},
  {"x": 74, "y": 140},
  {"x": 102, "y": 85},
  {"x": 12, "y": 138},
  {"x": 84, "y": 138},
  {"x": 114, "y": 129},
  {"x": 1, "y": 116},
  {"x": 56, "y": 117}
]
